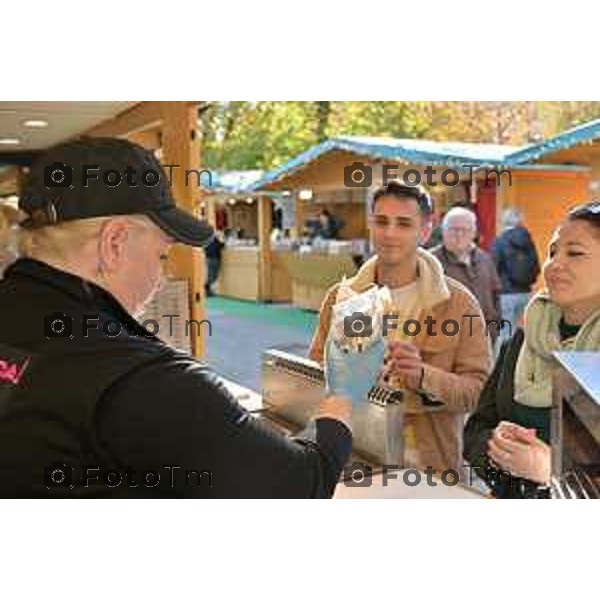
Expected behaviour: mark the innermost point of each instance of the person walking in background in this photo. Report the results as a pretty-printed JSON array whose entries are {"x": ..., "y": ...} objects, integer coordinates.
[
  {"x": 329, "y": 225},
  {"x": 474, "y": 268},
  {"x": 518, "y": 266},
  {"x": 213, "y": 253}
]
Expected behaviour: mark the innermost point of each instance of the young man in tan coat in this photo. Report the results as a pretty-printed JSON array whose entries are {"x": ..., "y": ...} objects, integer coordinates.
[{"x": 450, "y": 359}]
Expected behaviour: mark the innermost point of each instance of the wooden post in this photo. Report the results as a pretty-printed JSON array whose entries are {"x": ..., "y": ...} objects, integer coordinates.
[
  {"x": 473, "y": 190},
  {"x": 181, "y": 147},
  {"x": 298, "y": 217},
  {"x": 264, "y": 248},
  {"x": 210, "y": 202}
]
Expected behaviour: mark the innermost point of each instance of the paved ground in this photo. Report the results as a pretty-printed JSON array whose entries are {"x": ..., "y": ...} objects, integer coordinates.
[{"x": 241, "y": 331}]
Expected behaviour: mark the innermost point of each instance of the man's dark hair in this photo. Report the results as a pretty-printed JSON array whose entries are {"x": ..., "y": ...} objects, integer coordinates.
[
  {"x": 398, "y": 190},
  {"x": 590, "y": 213}
]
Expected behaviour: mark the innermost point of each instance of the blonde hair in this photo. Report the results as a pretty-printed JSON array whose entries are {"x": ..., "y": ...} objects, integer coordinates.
[
  {"x": 63, "y": 240},
  {"x": 59, "y": 241},
  {"x": 9, "y": 218}
]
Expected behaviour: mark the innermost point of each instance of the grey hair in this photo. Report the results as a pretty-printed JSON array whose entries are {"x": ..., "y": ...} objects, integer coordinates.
[
  {"x": 459, "y": 211},
  {"x": 511, "y": 217}
]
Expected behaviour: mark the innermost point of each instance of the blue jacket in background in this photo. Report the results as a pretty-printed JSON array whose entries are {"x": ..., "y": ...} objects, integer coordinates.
[{"x": 516, "y": 260}]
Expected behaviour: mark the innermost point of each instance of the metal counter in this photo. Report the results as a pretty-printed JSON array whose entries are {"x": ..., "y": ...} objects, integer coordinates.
[
  {"x": 387, "y": 488},
  {"x": 576, "y": 426},
  {"x": 302, "y": 379}
]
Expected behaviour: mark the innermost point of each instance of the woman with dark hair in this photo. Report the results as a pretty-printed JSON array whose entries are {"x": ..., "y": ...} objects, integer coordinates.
[{"x": 510, "y": 431}]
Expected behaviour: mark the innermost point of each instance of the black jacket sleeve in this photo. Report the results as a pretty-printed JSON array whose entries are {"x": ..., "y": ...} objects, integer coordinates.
[
  {"x": 484, "y": 420},
  {"x": 179, "y": 420},
  {"x": 494, "y": 406}
]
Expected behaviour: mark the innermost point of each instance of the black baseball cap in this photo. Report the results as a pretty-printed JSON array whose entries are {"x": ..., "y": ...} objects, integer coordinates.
[{"x": 101, "y": 177}]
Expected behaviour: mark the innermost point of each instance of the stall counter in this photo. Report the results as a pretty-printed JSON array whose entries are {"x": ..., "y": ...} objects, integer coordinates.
[{"x": 313, "y": 273}]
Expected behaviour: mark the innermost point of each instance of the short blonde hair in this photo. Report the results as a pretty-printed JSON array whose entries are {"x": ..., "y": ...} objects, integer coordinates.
[
  {"x": 9, "y": 218},
  {"x": 62, "y": 240}
]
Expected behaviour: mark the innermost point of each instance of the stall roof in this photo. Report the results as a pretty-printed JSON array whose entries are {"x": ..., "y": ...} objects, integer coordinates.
[
  {"x": 233, "y": 182},
  {"x": 585, "y": 132},
  {"x": 410, "y": 150}
]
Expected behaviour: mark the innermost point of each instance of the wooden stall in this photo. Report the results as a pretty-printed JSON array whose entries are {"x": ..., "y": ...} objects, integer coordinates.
[
  {"x": 319, "y": 180},
  {"x": 487, "y": 177},
  {"x": 250, "y": 269},
  {"x": 542, "y": 181},
  {"x": 543, "y": 195}
]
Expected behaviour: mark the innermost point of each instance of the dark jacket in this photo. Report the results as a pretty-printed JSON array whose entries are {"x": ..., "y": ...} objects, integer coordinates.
[
  {"x": 496, "y": 404},
  {"x": 480, "y": 277},
  {"x": 512, "y": 243},
  {"x": 214, "y": 249},
  {"x": 127, "y": 407}
]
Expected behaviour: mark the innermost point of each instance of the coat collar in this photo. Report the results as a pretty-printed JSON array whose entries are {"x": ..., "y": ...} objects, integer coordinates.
[
  {"x": 431, "y": 281},
  {"x": 90, "y": 296}
]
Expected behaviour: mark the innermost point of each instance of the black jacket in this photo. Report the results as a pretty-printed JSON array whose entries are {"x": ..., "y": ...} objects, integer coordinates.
[
  {"x": 214, "y": 249},
  {"x": 496, "y": 404},
  {"x": 130, "y": 415}
]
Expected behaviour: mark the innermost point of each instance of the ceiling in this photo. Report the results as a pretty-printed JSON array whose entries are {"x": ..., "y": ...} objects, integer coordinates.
[{"x": 65, "y": 120}]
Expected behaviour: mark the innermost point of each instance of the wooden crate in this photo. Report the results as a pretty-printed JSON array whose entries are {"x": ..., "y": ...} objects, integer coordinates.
[{"x": 172, "y": 299}]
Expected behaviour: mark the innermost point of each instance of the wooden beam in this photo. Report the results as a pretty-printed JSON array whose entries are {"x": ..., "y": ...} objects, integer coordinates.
[
  {"x": 22, "y": 158},
  {"x": 150, "y": 139},
  {"x": 141, "y": 117},
  {"x": 264, "y": 248},
  {"x": 181, "y": 147}
]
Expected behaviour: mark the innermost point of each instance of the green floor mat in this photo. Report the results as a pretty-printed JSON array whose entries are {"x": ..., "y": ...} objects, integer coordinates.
[{"x": 274, "y": 314}]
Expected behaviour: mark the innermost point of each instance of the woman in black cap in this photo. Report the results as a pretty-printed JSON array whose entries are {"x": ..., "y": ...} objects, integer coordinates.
[{"x": 94, "y": 405}]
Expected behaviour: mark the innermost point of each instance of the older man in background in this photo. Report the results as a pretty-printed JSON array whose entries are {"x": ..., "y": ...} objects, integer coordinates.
[{"x": 473, "y": 267}]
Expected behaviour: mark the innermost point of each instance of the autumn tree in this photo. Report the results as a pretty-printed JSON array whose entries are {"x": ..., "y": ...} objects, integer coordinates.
[{"x": 263, "y": 135}]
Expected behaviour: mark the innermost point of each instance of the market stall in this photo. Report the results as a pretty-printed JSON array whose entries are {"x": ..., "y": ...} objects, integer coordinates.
[
  {"x": 250, "y": 270},
  {"x": 332, "y": 182},
  {"x": 304, "y": 225}
]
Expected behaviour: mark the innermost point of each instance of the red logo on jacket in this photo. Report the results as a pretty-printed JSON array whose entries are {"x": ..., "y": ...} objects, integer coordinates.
[{"x": 12, "y": 372}]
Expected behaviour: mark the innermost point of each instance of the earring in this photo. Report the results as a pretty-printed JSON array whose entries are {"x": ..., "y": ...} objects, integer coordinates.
[{"x": 100, "y": 271}]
